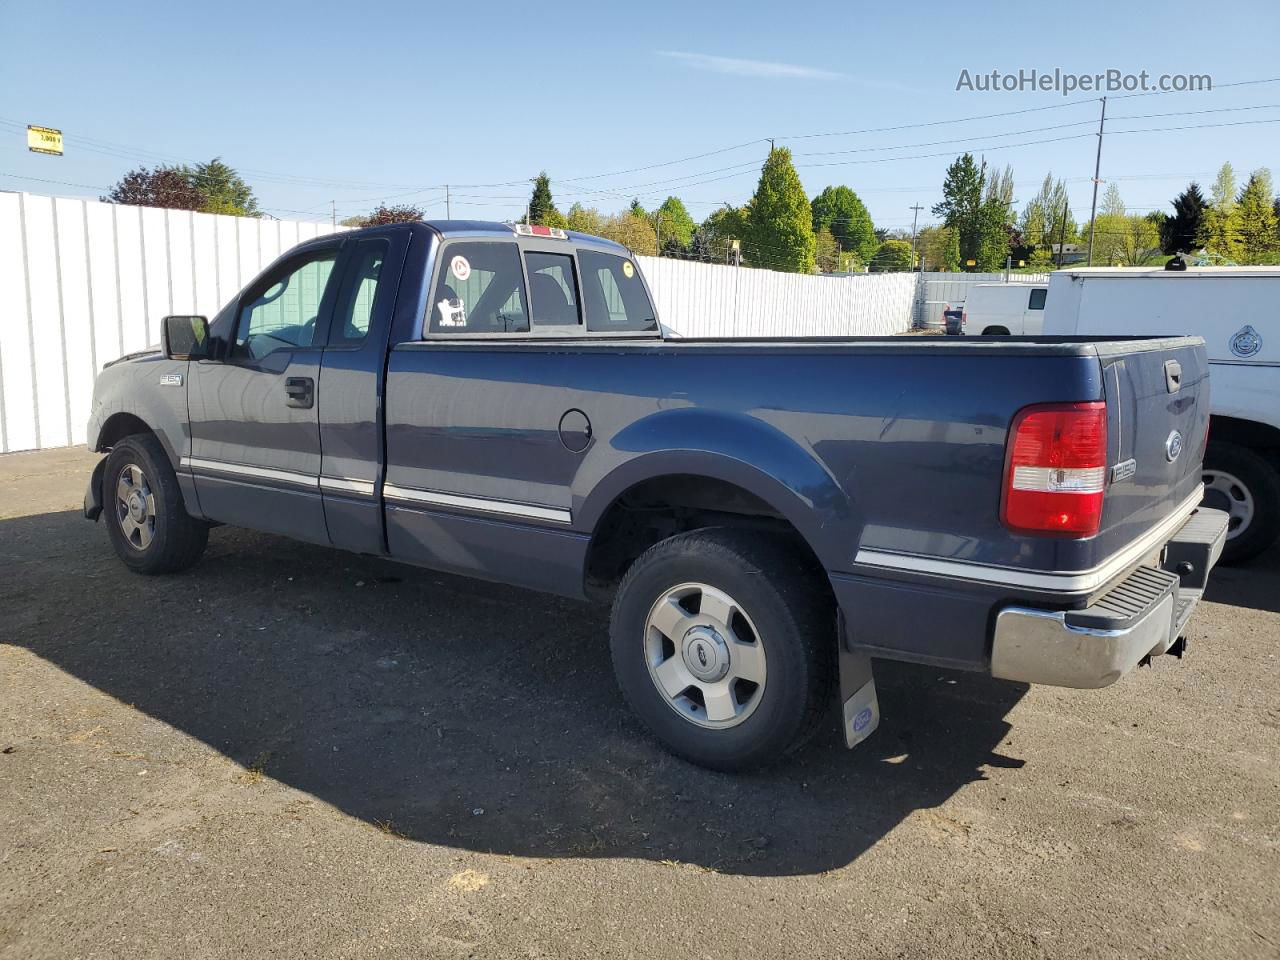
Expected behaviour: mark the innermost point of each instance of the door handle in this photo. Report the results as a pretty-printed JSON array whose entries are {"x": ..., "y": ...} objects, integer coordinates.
[{"x": 301, "y": 391}]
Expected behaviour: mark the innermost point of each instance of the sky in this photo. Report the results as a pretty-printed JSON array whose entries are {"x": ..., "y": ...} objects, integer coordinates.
[{"x": 326, "y": 106}]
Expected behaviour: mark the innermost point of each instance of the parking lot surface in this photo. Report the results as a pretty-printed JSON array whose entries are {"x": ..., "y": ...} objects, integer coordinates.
[{"x": 294, "y": 752}]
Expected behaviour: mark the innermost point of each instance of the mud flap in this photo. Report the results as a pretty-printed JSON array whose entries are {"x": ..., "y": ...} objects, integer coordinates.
[{"x": 861, "y": 709}]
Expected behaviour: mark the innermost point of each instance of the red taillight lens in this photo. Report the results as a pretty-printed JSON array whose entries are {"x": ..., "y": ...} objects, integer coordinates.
[{"x": 1056, "y": 469}]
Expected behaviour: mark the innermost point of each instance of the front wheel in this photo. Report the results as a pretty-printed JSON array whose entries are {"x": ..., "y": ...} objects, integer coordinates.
[
  {"x": 723, "y": 643},
  {"x": 1247, "y": 486},
  {"x": 146, "y": 520}
]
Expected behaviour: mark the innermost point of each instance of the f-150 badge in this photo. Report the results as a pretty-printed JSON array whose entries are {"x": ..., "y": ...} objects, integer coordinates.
[{"x": 1246, "y": 342}]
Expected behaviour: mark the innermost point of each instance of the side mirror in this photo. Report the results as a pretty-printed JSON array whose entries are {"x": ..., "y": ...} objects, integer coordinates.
[{"x": 186, "y": 338}]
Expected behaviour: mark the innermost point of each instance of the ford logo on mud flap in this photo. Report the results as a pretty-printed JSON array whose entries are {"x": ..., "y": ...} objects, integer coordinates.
[{"x": 1173, "y": 446}]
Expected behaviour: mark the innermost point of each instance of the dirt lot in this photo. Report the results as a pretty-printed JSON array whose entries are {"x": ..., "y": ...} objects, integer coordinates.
[{"x": 294, "y": 752}]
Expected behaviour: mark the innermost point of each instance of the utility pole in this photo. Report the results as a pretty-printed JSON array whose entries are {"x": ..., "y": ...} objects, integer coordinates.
[
  {"x": 448, "y": 211},
  {"x": 1097, "y": 171},
  {"x": 333, "y": 212},
  {"x": 1062, "y": 231},
  {"x": 915, "y": 214}
]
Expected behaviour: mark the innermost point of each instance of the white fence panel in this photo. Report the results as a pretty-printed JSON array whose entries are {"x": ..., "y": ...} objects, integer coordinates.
[
  {"x": 83, "y": 282},
  {"x": 710, "y": 300}
]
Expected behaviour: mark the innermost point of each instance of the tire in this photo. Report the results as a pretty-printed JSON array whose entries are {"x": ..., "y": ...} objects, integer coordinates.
[
  {"x": 781, "y": 633},
  {"x": 1247, "y": 485},
  {"x": 149, "y": 527}
]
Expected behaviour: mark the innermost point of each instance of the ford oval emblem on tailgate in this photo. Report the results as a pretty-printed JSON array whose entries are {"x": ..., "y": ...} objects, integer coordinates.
[{"x": 1173, "y": 446}]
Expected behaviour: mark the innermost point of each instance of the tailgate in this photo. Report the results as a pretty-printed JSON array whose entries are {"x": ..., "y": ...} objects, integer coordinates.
[{"x": 1157, "y": 395}]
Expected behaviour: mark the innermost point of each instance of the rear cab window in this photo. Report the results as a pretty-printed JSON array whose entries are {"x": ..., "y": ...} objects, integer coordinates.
[
  {"x": 512, "y": 288},
  {"x": 480, "y": 290},
  {"x": 1037, "y": 298},
  {"x": 614, "y": 294}
]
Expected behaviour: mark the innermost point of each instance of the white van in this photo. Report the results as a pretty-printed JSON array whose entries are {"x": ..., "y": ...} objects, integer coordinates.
[
  {"x": 1235, "y": 310},
  {"x": 1005, "y": 308}
]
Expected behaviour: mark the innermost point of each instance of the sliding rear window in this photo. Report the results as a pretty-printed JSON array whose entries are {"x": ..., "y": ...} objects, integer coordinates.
[{"x": 614, "y": 295}]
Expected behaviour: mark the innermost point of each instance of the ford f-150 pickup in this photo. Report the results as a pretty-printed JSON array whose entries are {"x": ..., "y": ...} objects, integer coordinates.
[{"x": 765, "y": 516}]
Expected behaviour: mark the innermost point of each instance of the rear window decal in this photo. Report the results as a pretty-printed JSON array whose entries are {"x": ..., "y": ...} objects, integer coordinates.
[{"x": 453, "y": 313}]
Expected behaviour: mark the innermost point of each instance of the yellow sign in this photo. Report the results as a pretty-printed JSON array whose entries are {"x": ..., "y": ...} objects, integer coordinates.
[
  {"x": 628, "y": 270},
  {"x": 44, "y": 140},
  {"x": 971, "y": 263}
]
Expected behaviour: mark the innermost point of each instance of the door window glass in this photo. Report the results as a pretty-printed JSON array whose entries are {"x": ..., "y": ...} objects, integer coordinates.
[
  {"x": 283, "y": 311},
  {"x": 351, "y": 320},
  {"x": 480, "y": 290},
  {"x": 552, "y": 289},
  {"x": 614, "y": 294},
  {"x": 1036, "y": 301}
]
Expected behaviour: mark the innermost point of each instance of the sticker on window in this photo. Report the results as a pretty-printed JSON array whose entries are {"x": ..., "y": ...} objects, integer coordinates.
[
  {"x": 628, "y": 270},
  {"x": 452, "y": 312},
  {"x": 460, "y": 267}
]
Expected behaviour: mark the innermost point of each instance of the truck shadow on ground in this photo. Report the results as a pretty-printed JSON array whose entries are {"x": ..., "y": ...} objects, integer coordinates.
[{"x": 467, "y": 714}]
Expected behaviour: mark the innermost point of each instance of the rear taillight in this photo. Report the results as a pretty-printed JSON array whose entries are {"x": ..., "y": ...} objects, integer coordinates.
[{"x": 1056, "y": 469}]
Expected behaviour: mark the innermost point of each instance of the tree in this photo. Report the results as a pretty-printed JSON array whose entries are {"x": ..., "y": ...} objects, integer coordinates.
[
  {"x": 224, "y": 189},
  {"x": 826, "y": 251},
  {"x": 932, "y": 243},
  {"x": 1184, "y": 231},
  {"x": 162, "y": 187},
  {"x": 1220, "y": 225},
  {"x": 1046, "y": 221},
  {"x": 714, "y": 238},
  {"x": 893, "y": 255},
  {"x": 674, "y": 225},
  {"x": 780, "y": 222},
  {"x": 1256, "y": 219},
  {"x": 632, "y": 231},
  {"x": 961, "y": 205},
  {"x": 840, "y": 209},
  {"x": 585, "y": 219},
  {"x": 402, "y": 213},
  {"x": 542, "y": 209}
]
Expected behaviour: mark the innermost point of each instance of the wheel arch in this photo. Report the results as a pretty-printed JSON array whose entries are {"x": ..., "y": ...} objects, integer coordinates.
[{"x": 713, "y": 469}]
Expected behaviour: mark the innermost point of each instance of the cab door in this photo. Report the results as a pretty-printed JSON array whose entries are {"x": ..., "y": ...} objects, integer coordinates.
[
  {"x": 350, "y": 391},
  {"x": 255, "y": 434}
]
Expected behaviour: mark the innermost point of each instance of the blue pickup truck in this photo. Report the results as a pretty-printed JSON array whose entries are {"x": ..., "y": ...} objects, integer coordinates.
[{"x": 765, "y": 516}]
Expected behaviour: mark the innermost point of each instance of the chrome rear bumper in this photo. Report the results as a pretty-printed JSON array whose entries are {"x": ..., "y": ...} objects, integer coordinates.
[{"x": 1140, "y": 616}]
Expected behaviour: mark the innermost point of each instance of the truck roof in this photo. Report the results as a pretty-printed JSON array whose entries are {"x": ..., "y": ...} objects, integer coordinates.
[{"x": 453, "y": 229}]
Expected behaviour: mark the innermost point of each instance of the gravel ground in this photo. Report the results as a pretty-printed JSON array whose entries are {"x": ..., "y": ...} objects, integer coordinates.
[{"x": 295, "y": 752}]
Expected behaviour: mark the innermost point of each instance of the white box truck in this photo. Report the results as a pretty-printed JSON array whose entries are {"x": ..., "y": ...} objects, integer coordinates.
[{"x": 1237, "y": 311}]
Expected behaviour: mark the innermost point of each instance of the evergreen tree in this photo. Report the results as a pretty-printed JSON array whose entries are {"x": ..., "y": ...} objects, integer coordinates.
[
  {"x": 1256, "y": 219},
  {"x": 542, "y": 209},
  {"x": 224, "y": 189},
  {"x": 780, "y": 222},
  {"x": 840, "y": 209},
  {"x": 1184, "y": 231},
  {"x": 961, "y": 205}
]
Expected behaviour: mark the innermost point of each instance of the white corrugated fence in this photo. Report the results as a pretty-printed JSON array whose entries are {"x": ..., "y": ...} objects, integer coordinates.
[{"x": 83, "y": 282}]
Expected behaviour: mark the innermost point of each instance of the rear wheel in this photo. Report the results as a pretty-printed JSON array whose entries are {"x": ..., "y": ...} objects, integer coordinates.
[
  {"x": 1247, "y": 486},
  {"x": 723, "y": 643},
  {"x": 996, "y": 332},
  {"x": 149, "y": 527}
]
